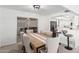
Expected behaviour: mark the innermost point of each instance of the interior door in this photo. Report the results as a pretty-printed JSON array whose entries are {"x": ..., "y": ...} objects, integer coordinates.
[{"x": 53, "y": 24}]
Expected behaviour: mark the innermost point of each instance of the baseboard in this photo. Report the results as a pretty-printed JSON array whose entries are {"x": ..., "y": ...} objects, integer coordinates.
[{"x": 8, "y": 45}]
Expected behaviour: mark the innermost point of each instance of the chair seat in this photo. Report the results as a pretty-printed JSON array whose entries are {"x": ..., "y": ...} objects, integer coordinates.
[{"x": 68, "y": 35}]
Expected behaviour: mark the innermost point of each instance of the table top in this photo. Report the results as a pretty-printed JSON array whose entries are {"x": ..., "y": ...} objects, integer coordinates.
[{"x": 35, "y": 40}]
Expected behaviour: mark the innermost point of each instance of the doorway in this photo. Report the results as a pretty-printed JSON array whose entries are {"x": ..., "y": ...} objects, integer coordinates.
[{"x": 53, "y": 24}]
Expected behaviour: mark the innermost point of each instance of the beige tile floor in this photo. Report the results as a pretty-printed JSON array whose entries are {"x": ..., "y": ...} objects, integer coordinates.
[
  {"x": 63, "y": 50},
  {"x": 16, "y": 48}
]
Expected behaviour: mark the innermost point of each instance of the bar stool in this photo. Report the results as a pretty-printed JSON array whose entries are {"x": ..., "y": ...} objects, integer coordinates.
[{"x": 68, "y": 47}]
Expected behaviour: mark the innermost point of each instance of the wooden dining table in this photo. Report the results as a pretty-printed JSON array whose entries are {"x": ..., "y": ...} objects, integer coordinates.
[{"x": 37, "y": 41}]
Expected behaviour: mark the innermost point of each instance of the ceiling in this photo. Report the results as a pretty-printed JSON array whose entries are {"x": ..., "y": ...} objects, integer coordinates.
[{"x": 44, "y": 9}]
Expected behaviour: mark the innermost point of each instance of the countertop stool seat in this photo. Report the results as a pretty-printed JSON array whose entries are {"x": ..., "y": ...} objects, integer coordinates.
[{"x": 68, "y": 47}]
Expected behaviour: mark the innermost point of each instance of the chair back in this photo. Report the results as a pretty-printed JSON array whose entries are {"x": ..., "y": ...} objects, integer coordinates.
[
  {"x": 52, "y": 45},
  {"x": 26, "y": 43}
]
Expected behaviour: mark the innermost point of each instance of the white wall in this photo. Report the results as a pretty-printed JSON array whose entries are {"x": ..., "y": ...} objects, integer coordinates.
[
  {"x": 43, "y": 23},
  {"x": 8, "y": 25},
  {"x": 0, "y": 28}
]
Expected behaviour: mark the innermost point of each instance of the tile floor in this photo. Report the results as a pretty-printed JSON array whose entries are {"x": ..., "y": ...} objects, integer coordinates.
[{"x": 16, "y": 48}]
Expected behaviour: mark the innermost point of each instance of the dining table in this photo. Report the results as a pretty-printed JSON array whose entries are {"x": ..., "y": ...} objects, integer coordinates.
[{"x": 37, "y": 41}]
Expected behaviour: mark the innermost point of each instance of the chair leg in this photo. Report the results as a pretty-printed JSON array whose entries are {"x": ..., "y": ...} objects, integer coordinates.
[
  {"x": 23, "y": 49},
  {"x": 58, "y": 50}
]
